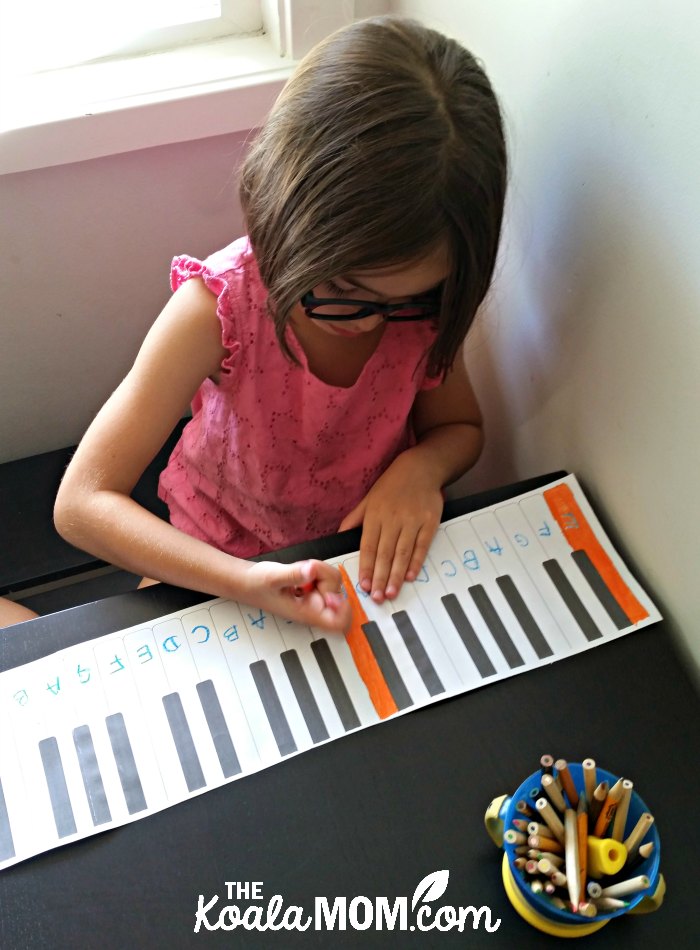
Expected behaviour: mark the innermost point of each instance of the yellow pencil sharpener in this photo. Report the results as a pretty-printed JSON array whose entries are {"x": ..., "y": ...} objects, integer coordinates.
[{"x": 607, "y": 857}]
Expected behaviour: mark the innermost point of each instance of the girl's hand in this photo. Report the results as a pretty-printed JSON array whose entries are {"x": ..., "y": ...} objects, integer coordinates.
[
  {"x": 308, "y": 592},
  {"x": 399, "y": 517}
]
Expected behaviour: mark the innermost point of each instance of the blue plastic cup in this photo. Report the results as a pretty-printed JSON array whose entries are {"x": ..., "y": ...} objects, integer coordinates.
[{"x": 538, "y": 909}]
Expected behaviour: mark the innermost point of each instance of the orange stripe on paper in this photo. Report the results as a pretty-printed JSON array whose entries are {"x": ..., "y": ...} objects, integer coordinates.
[
  {"x": 365, "y": 661},
  {"x": 581, "y": 537}
]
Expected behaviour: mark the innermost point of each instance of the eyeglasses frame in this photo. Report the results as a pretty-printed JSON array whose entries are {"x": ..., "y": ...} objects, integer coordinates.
[{"x": 367, "y": 309}]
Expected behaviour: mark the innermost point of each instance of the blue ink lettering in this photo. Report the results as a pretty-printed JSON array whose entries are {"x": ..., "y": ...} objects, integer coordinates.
[
  {"x": 83, "y": 673},
  {"x": 470, "y": 559},
  {"x": 204, "y": 630},
  {"x": 493, "y": 547},
  {"x": 144, "y": 651},
  {"x": 54, "y": 688},
  {"x": 452, "y": 565},
  {"x": 259, "y": 621},
  {"x": 231, "y": 633}
]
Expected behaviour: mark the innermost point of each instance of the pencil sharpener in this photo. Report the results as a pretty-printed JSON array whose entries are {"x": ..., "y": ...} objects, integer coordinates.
[{"x": 538, "y": 909}]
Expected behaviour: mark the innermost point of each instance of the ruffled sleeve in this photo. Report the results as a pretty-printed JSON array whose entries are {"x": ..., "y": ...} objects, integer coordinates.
[{"x": 183, "y": 268}]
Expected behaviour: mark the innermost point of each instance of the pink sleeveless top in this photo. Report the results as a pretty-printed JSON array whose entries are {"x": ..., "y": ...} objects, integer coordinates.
[{"x": 273, "y": 455}]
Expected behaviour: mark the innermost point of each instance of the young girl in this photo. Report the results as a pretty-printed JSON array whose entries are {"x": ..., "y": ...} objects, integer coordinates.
[{"x": 322, "y": 354}]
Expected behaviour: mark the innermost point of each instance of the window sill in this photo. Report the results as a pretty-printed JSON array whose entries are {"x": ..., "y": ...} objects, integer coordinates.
[{"x": 227, "y": 85}]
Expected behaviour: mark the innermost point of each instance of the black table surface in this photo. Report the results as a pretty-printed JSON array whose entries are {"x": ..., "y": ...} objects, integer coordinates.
[{"x": 375, "y": 812}]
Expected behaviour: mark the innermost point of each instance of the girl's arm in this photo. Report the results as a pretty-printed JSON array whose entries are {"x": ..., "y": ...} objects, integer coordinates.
[
  {"x": 401, "y": 512},
  {"x": 93, "y": 509}
]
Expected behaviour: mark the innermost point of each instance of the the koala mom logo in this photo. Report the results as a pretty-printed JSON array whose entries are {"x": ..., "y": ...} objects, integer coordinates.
[{"x": 341, "y": 913}]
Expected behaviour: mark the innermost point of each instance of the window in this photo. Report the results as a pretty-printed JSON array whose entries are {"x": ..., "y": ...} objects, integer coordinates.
[
  {"x": 75, "y": 83},
  {"x": 52, "y": 34}
]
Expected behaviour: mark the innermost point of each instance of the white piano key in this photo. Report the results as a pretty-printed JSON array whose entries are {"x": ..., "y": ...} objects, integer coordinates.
[
  {"x": 57, "y": 715},
  {"x": 491, "y": 526},
  {"x": 545, "y": 527},
  {"x": 268, "y": 645},
  {"x": 55, "y": 678},
  {"x": 7, "y": 844},
  {"x": 239, "y": 653},
  {"x": 211, "y": 664},
  {"x": 17, "y": 838},
  {"x": 297, "y": 637},
  {"x": 409, "y": 600},
  {"x": 456, "y": 577},
  {"x": 350, "y": 675},
  {"x": 128, "y": 729},
  {"x": 86, "y": 695},
  {"x": 532, "y": 556},
  {"x": 13, "y": 800},
  {"x": 306, "y": 699},
  {"x": 65, "y": 818},
  {"x": 153, "y": 686},
  {"x": 336, "y": 686},
  {"x": 430, "y": 591},
  {"x": 87, "y": 740},
  {"x": 503, "y": 623},
  {"x": 22, "y": 700},
  {"x": 182, "y": 674}
]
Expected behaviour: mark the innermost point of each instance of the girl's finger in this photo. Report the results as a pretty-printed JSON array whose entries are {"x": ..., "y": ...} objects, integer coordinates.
[
  {"x": 420, "y": 551},
  {"x": 368, "y": 554},
  {"x": 386, "y": 553},
  {"x": 403, "y": 554}
]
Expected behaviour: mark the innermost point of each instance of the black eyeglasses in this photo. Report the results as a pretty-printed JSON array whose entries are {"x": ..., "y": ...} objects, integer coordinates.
[{"x": 330, "y": 308}]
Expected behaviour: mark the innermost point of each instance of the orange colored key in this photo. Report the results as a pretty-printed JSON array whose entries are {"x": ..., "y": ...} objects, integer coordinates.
[
  {"x": 366, "y": 664},
  {"x": 581, "y": 537}
]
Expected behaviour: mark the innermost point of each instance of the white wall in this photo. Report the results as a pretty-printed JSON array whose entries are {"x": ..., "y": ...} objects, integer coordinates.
[
  {"x": 85, "y": 264},
  {"x": 588, "y": 355}
]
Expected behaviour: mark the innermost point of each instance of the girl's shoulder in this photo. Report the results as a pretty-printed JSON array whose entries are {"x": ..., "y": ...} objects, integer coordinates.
[{"x": 232, "y": 276}]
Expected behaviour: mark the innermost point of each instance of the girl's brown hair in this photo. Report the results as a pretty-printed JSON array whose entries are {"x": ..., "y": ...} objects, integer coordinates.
[{"x": 386, "y": 141}]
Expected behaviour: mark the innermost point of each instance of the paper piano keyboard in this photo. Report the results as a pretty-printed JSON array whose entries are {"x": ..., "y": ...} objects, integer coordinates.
[{"x": 114, "y": 729}]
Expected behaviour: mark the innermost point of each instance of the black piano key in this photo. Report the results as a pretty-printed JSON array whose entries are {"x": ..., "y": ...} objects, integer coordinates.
[
  {"x": 601, "y": 589},
  {"x": 468, "y": 635},
  {"x": 7, "y": 845},
  {"x": 92, "y": 779},
  {"x": 58, "y": 789},
  {"x": 126, "y": 764},
  {"x": 522, "y": 613},
  {"x": 184, "y": 743},
  {"x": 336, "y": 684},
  {"x": 495, "y": 624},
  {"x": 415, "y": 647},
  {"x": 572, "y": 600},
  {"x": 305, "y": 697},
  {"x": 385, "y": 660},
  {"x": 214, "y": 714},
  {"x": 273, "y": 707}
]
